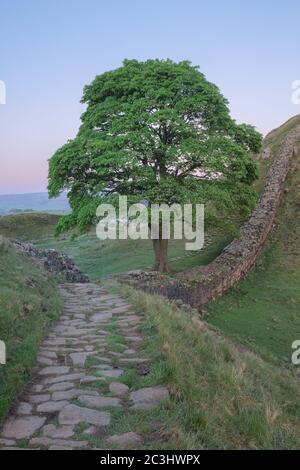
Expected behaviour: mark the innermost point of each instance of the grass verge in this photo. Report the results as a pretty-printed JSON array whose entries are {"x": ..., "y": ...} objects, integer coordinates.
[
  {"x": 29, "y": 302},
  {"x": 223, "y": 397}
]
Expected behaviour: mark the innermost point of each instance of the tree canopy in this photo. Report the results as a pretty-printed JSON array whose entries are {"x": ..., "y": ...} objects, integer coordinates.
[{"x": 157, "y": 131}]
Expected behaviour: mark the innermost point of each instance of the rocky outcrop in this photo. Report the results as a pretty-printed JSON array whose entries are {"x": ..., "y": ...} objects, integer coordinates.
[
  {"x": 239, "y": 256},
  {"x": 53, "y": 261}
]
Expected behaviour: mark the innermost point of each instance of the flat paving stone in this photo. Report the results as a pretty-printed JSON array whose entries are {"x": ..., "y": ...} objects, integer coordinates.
[
  {"x": 7, "y": 442},
  {"x": 22, "y": 428},
  {"x": 63, "y": 378},
  {"x": 110, "y": 373},
  {"x": 36, "y": 399},
  {"x": 45, "y": 361},
  {"x": 75, "y": 332},
  {"x": 49, "y": 354},
  {"x": 54, "y": 370},
  {"x": 99, "y": 402},
  {"x": 61, "y": 386},
  {"x": 79, "y": 359},
  {"x": 148, "y": 397},
  {"x": 90, "y": 379},
  {"x": 63, "y": 432},
  {"x": 102, "y": 367},
  {"x": 91, "y": 430},
  {"x": 73, "y": 393},
  {"x": 127, "y": 440},
  {"x": 118, "y": 388},
  {"x": 51, "y": 406},
  {"x": 55, "y": 342},
  {"x": 98, "y": 317},
  {"x": 73, "y": 414},
  {"x": 24, "y": 408}
]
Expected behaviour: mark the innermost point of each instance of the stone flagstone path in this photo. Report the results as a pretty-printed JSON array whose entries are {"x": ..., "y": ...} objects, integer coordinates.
[{"x": 73, "y": 359}]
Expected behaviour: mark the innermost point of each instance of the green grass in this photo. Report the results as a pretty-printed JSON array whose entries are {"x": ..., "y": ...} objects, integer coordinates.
[
  {"x": 101, "y": 258},
  {"x": 30, "y": 226},
  {"x": 276, "y": 136},
  {"x": 263, "y": 311},
  {"x": 29, "y": 302},
  {"x": 222, "y": 397}
]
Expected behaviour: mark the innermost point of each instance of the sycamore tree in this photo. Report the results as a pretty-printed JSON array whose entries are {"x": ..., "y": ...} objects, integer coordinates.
[{"x": 156, "y": 131}]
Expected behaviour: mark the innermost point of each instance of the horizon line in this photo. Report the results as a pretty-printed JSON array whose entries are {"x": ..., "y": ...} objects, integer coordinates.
[{"x": 31, "y": 192}]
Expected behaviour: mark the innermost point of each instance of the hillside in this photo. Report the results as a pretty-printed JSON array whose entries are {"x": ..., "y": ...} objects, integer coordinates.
[
  {"x": 29, "y": 302},
  {"x": 30, "y": 226},
  {"x": 224, "y": 396},
  {"x": 33, "y": 202},
  {"x": 271, "y": 145},
  {"x": 262, "y": 311}
]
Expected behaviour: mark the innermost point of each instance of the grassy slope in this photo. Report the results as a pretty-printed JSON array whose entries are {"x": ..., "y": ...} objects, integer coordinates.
[
  {"x": 32, "y": 226},
  {"x": 263, "y": 310},
  {"x": 223, "y": 397},
  {"x": 29, "y": 301},
  {"x": 100, "y": 258}
]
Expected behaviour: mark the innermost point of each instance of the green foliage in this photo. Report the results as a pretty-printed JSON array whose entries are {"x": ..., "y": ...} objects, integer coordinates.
[{"x": 155, "y": 130}]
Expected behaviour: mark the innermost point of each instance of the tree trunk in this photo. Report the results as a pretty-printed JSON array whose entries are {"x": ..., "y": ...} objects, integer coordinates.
[{"x": 161, "y": 255}]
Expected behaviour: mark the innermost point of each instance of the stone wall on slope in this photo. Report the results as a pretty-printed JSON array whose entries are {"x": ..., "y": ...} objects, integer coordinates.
[{"x": 53, "y": 261}]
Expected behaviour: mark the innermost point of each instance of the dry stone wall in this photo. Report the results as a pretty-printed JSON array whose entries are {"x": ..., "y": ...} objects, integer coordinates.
[
  {"x": 240, "y": 255},
  {"x": 53, "y": 261}
]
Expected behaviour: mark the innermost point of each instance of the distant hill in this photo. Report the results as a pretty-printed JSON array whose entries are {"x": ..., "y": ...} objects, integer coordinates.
[
  {"x": 28, "y": 226},
  {"x": 32, "y": 202}
]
